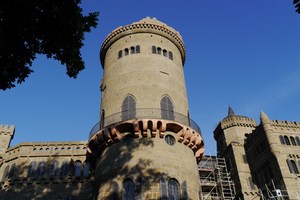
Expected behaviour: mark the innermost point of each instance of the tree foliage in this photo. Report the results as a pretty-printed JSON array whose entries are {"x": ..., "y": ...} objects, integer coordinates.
[
  {"x": 297, "y": 5},
  {"x": 55, "y": 28}
]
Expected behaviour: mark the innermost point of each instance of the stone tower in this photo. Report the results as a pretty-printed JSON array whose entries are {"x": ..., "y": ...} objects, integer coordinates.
[
  {"x": 145, "y": 145},
  {"x": 230, "y": 135},
  {"x": 6, "y": 135}
]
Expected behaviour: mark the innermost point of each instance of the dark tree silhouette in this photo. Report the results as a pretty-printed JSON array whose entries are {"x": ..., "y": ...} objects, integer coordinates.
[
  {"x": 52, "y": 27},
  {"x": 297, "y": 5}
]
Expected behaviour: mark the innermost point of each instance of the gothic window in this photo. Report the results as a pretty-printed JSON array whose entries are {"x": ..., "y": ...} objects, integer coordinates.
[
  {"x": 137, "y": 49},
  {"x": 41, "y": 169},
  {"x": 166, "y": 106},
  {"x": 298, "y": 140},
  {"x": 12, "y": 170},
  {"x": 170, "y": 55},
  {"x": 115, "y": 191},
  {"x": 154, "y": 49},
  {"x": 126, "y": 51},
  {"x": 293, "y": 141},
  {"x": 287, "y": 141},
  {"x": 54, "y": 168},
  {"x": 64, "y": 170},
  {"x": 159, "y": 50},
  {"x": 292, "y": 166},
  {"x": 102, "y": 119},
  {"x": 132, "y": 50},
  {"x": 128, "y": 108},
  {"x": 184, "y": 191},
  {"x": 282, "y": 140},
  {"x": 173, "y": 189},
  {"x": 86, "y": 169},
  {"x": 5, "y": 173},
  {"x": 78, "y": 168},
  {"x": 120, "y": 54},
  {"x": 163, "y": 189},
  {"x": 32, "y": 169},
  {"x": 165, "y": 53},
  {"x": 128, "y": 190}
]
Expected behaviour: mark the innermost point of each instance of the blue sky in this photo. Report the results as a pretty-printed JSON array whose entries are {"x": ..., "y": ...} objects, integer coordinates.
[{"x": 245, "y": 54}]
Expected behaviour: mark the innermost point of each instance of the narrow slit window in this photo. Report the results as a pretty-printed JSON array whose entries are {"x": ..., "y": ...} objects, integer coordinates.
[
  {"x": 154, "y": 49},
  {"x": 165, "y": 53},
  {"x": 138, "y": 49},
  {"x": 170, "y": 55},
  {"x": 126, "y": 52},
  {"x": 132, "y": 50},
  {"x": 159, "y": 50},
  {"x": 120, "y": 54}
]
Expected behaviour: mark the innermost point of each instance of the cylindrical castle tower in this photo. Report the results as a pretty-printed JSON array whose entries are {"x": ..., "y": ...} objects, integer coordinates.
[{"x": 145, "y": 145}]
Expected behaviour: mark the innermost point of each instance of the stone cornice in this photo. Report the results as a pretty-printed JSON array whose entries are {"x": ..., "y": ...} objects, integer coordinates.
[{"x": 142, "y": 27}]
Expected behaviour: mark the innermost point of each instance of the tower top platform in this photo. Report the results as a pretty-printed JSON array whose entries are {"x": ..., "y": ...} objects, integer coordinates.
[{"x": 146, "y": 25}]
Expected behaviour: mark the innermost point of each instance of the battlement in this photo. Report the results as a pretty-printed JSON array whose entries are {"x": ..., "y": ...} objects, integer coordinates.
[
  {"x": 287, "y": 124},
  {"x": 7, "y": 130}
]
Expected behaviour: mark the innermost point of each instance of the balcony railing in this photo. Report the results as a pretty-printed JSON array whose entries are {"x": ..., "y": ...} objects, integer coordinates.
[{"x": 144, "y": 113}]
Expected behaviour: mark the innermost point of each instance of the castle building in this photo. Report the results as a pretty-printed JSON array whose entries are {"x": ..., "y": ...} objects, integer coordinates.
[{"x": 146, "y": 146}]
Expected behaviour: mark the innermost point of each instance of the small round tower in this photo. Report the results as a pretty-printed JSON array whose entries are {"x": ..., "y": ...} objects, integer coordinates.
[{"x": 145, "y": 145}]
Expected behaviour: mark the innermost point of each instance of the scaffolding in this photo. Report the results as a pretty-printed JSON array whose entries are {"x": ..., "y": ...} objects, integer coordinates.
[{"x": 215, "y": 180}]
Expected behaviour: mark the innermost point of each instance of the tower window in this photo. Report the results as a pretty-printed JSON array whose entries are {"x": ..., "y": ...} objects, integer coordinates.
[
  {"x": 154, "y": 49},
  {"x": 128, "y": 108},
  {"x": 298, "y": 140},
  {"x": 78, "y": 168},
  {"x": 86, "y": 169},
  {"x": 128, "y": 190},
  {"x": 293, "y": 141},
  {"x": 170, "y": 140},
  {"x": 132, "y": 50},
  {"x": 166, "y": 107},
  {"x": 292, "y": 166},
  {"x": 137, "y": 49},
  {"x": 173, "y": 189},
  {"x": 165, "y": 53},
  {"x": 170, "y": 55},
  {"x": 54, "y": 168},
  {"x": 163, "y": 189},
  {"x": 120, "y": 54},
  {"x": 287, "y": 141},
  {"x": 64, "y": 170},
  {"x": 159, "y": 50},
  {"x": 32, "y": 169},
  {"x": 41, "y": 169},
  {"x": 126, "y": 51}
]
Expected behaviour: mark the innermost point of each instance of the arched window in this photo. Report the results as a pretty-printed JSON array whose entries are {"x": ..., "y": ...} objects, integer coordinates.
[
  {"x": 12, "y": 170},
  {"x": 132, "y": 50},
  {"x": 78, "y": 168},
  {"x": 86, "y": 169},
  {"x": 32, "y": 170},
  {"x": 292, "y": 166},
  {"x": 166, "y": 106},
  {"x": 293, "y": 141},
  {"x": 126, "y": 52},
  {"x": 137, "y": 49},
  {"x": 159, "y": 50},
  {"x": 184, "y": 191},
  {"x": 102, "y": 119},
  {"x": 120, "y": 54},
  {"x": 154, "y": 49},
  {"x": 64, "y": 170},
  {"x": 298, "y": 140},
  {"x": 115, "y": 191},
  {"x": 287, "y": 141},
  {"x": 41, "y": 169},
  {"x": 128, "y": 190},
  {"x": 5, "y": 173},
  {"x": 282, "y": 140},
  {"x": 170, "y": 55},
  {"x": 128, "y": 108},
  {"x": 163, "y": 189},
  {"x": 173, "y": 189},
  {"x": 54, "y": 169},
  {"x": 165, "y": 53}
]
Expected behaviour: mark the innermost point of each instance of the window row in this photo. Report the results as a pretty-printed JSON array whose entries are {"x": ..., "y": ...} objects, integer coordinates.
[
  {"x": 127, "y": 51},
  {"x": 293, "y": 167},
  {"x": 129, "y": 108},
  {"x": 169, "y": 190},
  {"x": 289, "y": 140},
  {"x": 164, "y": 52},
  {"x": 54, "y": 169},
  {"x": 56, "y": 148}
]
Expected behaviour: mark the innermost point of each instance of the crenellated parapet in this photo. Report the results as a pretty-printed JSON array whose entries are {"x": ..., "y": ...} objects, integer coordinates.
[
  {"x": 7, "y": 130},
  {"x": 285, "y": 124},
  {"x": 146, "y": 128},
  {"x": 147, "y": 25}
]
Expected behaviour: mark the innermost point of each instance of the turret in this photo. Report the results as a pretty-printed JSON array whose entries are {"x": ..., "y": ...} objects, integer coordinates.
[{"x": 6, "y": 135}]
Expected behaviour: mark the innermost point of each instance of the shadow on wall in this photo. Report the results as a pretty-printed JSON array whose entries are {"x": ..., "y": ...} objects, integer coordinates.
[{"x": 46, "y": 180}]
